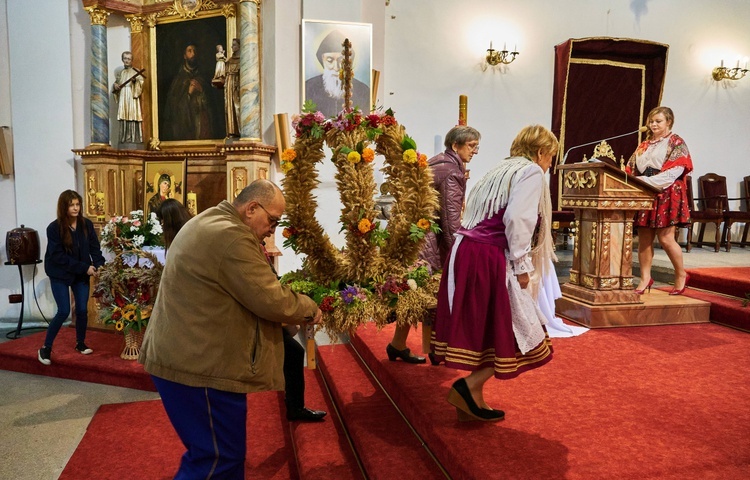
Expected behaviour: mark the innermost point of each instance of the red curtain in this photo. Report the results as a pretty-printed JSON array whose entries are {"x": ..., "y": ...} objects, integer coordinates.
[{"x": 603, "y": 87}]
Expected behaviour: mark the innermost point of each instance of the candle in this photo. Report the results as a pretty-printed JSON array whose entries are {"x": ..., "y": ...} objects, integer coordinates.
[
  {"x": 281, "y": 124},
  {"x": 192, "y": 203},
  {"x": 490, "y": 44},
  {"x": 722, "y": 63},
  {"x": 462, "y": 109}
]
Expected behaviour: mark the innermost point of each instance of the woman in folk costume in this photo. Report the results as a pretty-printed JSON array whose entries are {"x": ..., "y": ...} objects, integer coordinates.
[
  {"x": 662, "y": 160},
  {"x": 488, "y": 323}
]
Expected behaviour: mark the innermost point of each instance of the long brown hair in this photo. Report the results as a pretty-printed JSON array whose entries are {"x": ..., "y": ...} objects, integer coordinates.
[
  {"x": 63, "y": 222},
  {"x": 173, "y": 215}
]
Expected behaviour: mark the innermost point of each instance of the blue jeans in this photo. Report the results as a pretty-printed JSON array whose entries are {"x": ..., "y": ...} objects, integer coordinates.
[{"x": 60, "y": 292}]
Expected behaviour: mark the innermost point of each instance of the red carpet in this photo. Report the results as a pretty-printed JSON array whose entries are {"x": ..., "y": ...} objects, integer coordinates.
[
  {"x": 386, "y": 446},
  {"x": 734, "y": 281},
  {"x": 136, "y": 441},
  {"x": 662, "y": 402},
  {"x": 103, "y": 366}
]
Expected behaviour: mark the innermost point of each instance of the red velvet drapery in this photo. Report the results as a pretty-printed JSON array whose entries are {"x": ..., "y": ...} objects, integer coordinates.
[{"x": 603, "y": 87}]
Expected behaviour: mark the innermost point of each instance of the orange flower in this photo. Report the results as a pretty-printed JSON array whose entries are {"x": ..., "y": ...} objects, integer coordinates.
[
  {"x": 364, "y": 226},
  {"x": 288, "y": 155},
  {"x": 286, "y": 233},
  {"x": 368, "y": 155},
  {"x": 423, "y": 223},
  {"x": 422, "y": 161}
]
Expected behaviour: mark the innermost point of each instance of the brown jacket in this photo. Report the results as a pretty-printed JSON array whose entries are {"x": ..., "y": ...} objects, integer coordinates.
[
  {"x": 218, "y": 314},
  {"x": 450, "y": 182}
]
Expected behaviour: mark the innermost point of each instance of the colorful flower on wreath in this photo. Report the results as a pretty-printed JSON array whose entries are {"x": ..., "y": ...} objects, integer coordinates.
[
  {"x": 364, "y": 226},
  {"x": 288, "y": 155},
  {"x": 410, "y": 156},
  {"x": 286, "y": 167},
  {"x": 119, "y": 325},
  {"x": 348, "y": 295},
  {"x": 388, "y": 118},
  {"x": 421, "y": 160},
  {"x": 353, "y": 157},
  {"x": 412, "y": 284},
  {"x": 326, "y": 305},
  {"x": 289, "y": 232},
  {"x": 368, "y": 155},
  {"x": 423, "y": 223},
  {"x": 373, "y": 120}
]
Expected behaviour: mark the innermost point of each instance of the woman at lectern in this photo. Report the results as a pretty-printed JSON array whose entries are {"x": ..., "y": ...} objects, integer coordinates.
[
  {"x": 663, "y": 161},
  {"x": 488, "y": 323},
  {"x": 73, "y": 255}
]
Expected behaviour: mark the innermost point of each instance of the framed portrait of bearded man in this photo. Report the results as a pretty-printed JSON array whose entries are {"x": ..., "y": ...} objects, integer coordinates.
[{"x": 322, "y": 59}]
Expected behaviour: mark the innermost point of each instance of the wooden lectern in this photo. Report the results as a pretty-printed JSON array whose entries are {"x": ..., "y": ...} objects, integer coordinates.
[{"x": 601, "y": 289}]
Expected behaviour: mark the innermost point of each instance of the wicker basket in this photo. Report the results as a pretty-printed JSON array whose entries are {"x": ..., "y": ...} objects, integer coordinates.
[{"x": 133, "y": 341}]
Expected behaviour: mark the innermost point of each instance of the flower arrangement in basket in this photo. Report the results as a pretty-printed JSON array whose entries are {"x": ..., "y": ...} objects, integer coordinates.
[
  {"x": 126, "y": 291},
  {"x": 376, "y": 276},
  {"x": 132, "y": 232}
]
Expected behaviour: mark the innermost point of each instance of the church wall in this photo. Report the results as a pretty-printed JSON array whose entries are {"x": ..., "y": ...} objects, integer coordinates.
[{"x": 431, "y": 52}]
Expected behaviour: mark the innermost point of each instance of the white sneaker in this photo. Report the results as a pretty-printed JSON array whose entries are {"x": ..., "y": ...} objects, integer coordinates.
[
  {"x": 83, "y": 349},
  {"x": 43, "y": 355}
]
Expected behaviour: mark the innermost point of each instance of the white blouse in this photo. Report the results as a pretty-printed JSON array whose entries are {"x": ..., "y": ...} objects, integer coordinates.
[
  {"x": 654, "y": 157},
  {"x": 521, "y": 216}
]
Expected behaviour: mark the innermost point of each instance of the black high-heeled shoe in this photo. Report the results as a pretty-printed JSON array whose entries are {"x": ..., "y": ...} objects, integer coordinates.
[
  {"x": 466, "y": 408},
  {"x": 404, "y": 355}
]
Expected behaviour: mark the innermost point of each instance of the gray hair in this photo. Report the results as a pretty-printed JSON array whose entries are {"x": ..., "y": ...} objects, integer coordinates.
[
  {"x": 461, "y": 134},
  {"x": 262, "y": 191}
]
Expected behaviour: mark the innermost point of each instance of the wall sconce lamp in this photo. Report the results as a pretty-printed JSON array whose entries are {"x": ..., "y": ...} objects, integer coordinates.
[
  {"x": 496, "y": 57},
  {"x": 725, "y": 73}
]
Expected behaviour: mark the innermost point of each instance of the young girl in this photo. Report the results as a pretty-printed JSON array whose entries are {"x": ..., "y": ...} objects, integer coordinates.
[{"x": 73, "y": 255}]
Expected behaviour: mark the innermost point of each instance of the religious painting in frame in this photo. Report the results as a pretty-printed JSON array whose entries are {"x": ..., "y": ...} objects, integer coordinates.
[
  {"x": 187, "y": 107},
  {"x": 322, "y": 59},
  {"x": 163, "y": 179}
]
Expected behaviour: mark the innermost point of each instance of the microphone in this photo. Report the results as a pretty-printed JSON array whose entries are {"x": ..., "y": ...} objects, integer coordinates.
[{"x": 639, "y": 130}]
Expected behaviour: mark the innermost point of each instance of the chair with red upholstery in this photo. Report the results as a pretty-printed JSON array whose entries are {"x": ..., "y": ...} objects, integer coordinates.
[{"x": 709, "y": 209}]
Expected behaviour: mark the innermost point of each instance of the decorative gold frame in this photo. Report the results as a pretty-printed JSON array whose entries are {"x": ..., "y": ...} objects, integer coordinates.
[
  {"x": 184, "y": 11},
  {"x": 177, "y": 172}
]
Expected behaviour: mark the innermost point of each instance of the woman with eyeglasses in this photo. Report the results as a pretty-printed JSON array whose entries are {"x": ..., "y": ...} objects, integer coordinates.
[{"x": 449, "y": 180}]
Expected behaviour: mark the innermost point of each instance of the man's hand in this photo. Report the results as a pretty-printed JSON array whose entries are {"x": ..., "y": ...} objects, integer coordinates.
[
  {"x": 195, "y": 86},
  {"x": 523, "y": 280},
  {"x": 317, "y": 319}
]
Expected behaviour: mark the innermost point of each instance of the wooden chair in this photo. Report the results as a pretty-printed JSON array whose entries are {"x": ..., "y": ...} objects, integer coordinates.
[
  {"x": 745, "y": 240},
  {"x": 709, "y": 210}
]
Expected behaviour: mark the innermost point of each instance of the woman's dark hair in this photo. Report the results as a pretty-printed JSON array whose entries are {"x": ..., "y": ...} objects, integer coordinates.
[
  {"x": 172, "y": 215},
  {"x": 63, "y": 222}
]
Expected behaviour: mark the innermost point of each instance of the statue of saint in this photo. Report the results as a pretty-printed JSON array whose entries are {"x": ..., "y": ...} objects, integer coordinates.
[
  {"x": 232, "y": 91},
  {"x": 127, "y": 90}
]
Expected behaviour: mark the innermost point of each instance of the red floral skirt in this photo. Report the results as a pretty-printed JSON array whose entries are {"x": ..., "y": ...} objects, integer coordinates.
[{"x": 672, "y": 208}]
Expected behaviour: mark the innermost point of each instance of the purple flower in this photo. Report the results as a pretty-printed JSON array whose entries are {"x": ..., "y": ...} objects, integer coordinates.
[{"x": 348, "y": 295}]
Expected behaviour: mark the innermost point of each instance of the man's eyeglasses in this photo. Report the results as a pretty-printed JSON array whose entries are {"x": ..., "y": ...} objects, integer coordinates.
[{"x": 274, "y": 221}]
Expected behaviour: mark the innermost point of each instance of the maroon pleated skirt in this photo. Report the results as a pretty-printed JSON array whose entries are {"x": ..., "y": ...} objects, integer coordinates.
[{"x": 478, "y": 332}]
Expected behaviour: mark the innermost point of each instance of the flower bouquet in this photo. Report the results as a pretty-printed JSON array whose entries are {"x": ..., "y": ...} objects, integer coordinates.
[{"x": 133, "y": 232}]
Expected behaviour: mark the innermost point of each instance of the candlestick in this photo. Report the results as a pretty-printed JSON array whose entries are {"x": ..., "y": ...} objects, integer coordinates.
[
  {"x": 192, "y": 203},
  {"x": 462, "y": 109}
]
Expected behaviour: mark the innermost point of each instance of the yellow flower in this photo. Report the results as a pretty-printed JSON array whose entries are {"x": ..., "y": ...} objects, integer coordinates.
[
  {"x": 288, "y": 155},
  {"x": 423, "y": 223},
  {"x": 410, "y": 156},
  {"x": 286, "y": 166},
  {"x": 368, "y": 155},
  {"x": 353, "y": 157},
  {"x": 364, "y": 226},
  {"x": 119, "y": 325}
]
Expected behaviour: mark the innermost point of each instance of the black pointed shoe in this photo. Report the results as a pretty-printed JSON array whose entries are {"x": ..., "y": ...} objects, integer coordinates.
[
  {"x": 466, "y": 408},
  {"x": 404, "y": 355},
  {"x": 304, "y": 414}
]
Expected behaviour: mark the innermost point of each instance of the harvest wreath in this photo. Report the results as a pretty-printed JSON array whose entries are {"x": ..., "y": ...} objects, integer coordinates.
[{"x": 376, "y": 276}]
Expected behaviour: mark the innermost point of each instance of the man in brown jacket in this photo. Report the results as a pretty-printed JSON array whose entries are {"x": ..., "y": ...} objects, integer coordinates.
[{"x": 215, "y": 331}]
